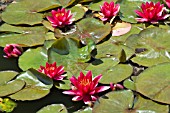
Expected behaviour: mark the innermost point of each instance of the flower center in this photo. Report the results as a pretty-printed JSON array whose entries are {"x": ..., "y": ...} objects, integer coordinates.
[
  {"x": 85, "y": 82},
  {"x": 150, "y": 9},
  {"x": 50, "y": 68},
  {"x": 59, "y": 14}
]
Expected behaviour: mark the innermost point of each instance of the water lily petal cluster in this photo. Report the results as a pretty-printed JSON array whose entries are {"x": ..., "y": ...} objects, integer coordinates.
[
  {"x": 109, "y": 10},
  {"x": 12, "y": 50},
  {"x": 53, "y": 71},
  {"x": 85, "y": 87},
  {"x": 152, "y": 12},
  {"x": 167, "y": 3},
  {"x": 60, "y": 18}
]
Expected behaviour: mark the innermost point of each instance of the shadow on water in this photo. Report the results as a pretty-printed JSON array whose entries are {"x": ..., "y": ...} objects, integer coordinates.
[{"x": 54, "y": 97}]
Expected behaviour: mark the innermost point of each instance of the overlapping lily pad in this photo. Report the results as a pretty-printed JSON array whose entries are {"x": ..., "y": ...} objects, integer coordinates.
[
  {"x": 35, "y": 88},
  {"x": 154, "y": 83},
  {"x": 155, "y": 44},
  {"x": 66, "y": 52},
  {"x": 26, "y": 11},
  {"x": 26, "y": 36},
  {"x": 78, "y": 12},
  {"x": 11, "y": 87},
  {"x": 6, "y": 76},
  {"x": 94, "y": 28},
  {"x": 122, "y": 102}
]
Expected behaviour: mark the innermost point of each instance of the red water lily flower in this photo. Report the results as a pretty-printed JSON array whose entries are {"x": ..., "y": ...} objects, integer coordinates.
[
  {"x": 109, "y": 11},
  {"x": 52, "y": 71},
  {"x": 12, "y": 50},
  {"x": 60, "y": 18},
  {"x": 151, "y": 12},
  {"x": 167, "y": 3},
  {"x": 85, "y": 88}
]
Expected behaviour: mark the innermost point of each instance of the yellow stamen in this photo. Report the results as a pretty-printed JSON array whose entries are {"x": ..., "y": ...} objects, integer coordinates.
[
  {"x": 59, "y": 14},
  {"x": 85, "y": 82}
]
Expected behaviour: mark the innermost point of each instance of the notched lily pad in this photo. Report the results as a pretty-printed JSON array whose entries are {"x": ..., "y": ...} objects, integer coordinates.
[
  {"x": 6, "y": 76},
  {"x": 34, "y": 89},
  {"x": 11, "y": 87}
]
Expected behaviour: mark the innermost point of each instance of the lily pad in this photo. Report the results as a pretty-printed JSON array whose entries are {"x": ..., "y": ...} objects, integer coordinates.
[
  {"x": 25, "y": 36},
  {"x": 113, "y": 49},
  {"x": 121, "y": 29},
  {"x": 65, "y": 3},
  {"x": 53, "y": 108},
  {"x": 155, "y": 43},
  {"x": 7, "y": 105},
  {"x": 6, "y": 76},
  {"x": 94, "y": 28},
  {"x": 78, "y": 12},
  {"x": 122, "y": 102},
  {"x": 34, "y": 89},
  {"x": 11, "y": 87},
  {"x": 33, "y": 58},
  {"x": 154, "y": 83},
  {"x": 26, "y": 11},
  {"x": 65, "y": 52}
]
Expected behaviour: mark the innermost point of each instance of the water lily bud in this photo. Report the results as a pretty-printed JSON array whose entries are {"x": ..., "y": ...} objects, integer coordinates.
[{"x": 12, "y": 50}]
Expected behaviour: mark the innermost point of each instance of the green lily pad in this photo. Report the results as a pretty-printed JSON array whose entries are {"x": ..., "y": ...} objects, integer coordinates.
[
  {"x": 11, "y": 87},
  {"x": 53, "y": 108},
  {"x": 130, "y": 83},
  {"x": 86, "y": 110},
  {"x": 78, "y": 12},
  {"x": 26, "y": 36},
  {"x": 65, "y": 3},
  {"x": 112, "y": 49},
  {"x": 94, "y": 28},
  {"x": 154, "y": 83},
  {"x": 122, "y": 102},
  {"x": 6, "y": 76},
  {"x": 35, "y": 88},
  {"x": 26, "y": 11},
  {"x": 33, "y": 58},
  {"x": 155, "y": 44},
  {"x": 116, "y": 73},
  {"x": 65, "y": 52}
]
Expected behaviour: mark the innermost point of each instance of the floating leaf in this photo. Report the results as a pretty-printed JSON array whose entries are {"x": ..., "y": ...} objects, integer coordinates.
[
  {"x": 86, "y": 110},
  {"x": 65, "y": 52},
  {"x": 26, "y": 36},
  {"x": 121, "y": 29},
  {"x": 154, "y": 83},
  {"x": 155, "y": 43},
  {"x": 33, "y": 58},
  {"x": 78, "y": 12},
  {"x": 26, "y": 11},
  {"x": 94, "y": 28},
  {"x": 122, "y": 102},
  {"x": 11, "y": 87},
  {"x": 34, "y": 89},
  {"x": 53, "y": 108},
  {"x": 6, "y": 76}
]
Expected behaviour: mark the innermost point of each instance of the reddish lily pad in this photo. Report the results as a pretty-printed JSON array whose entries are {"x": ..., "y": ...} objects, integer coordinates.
[
  {"x": 122, "y": 102},
  {"x": 25, "y": 36},
  {"x": 154, "y": 83},
  {"x": 121, "y": 29},
  {"x": 26, "y": 11}
]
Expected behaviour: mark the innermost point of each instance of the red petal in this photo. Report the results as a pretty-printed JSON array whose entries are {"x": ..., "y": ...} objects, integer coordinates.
[
  {"x": 70, "y": 92},
  {"x": 77, "y": 98},
  {"x": 74, "y": 81},
  {"x": 101, "y": 88},
  {"x": 96, "y": 80}
]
